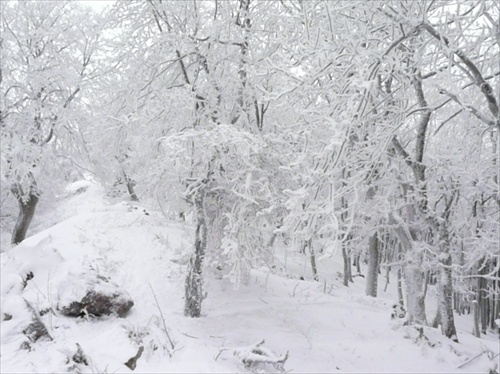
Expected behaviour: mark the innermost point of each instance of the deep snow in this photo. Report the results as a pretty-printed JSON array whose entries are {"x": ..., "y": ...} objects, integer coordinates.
[{"x": 325, "y": 327}]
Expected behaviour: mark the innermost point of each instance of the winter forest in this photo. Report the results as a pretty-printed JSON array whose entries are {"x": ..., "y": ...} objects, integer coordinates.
[{"x": 226, "y": 172}]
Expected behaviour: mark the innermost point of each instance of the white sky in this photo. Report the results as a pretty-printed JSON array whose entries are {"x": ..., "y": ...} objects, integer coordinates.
[{"x": 97, "y": 4}]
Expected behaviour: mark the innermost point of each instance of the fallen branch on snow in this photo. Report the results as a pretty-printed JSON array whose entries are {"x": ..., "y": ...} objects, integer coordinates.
[
  {"x": 257, "y": 357},
  {"x": 490, "y": 354}
]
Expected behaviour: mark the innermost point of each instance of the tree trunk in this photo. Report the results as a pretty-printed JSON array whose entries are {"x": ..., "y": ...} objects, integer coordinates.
[
  {"x": 373, "y": 260},
  {"x": 347, "y": 266},
  {"x": 445, "y": 288},
  {"x": 482, "y": 299},
  {"x": 194, "y": 281},
  {"x": 400, "y": 288},
  {"x": 427, "y": 277},
  {"x": 457, "y": 303},
  {"x": 387, "y": 276},
  {"x": 437, "y": 318},
  {"x": 27, "y": 206},
  {"x": 493, "y": 312},
  {"x": 475, "y": 310},
  {"x": 130, "y": 186},
  {"x": 358, "y": 264},
  {"x": 312, "y": 256},
  {"x": 414, "y": 280},
  {"x": 484, "y": 314},
  {"x": 399, "y": 279},
  {"x": 495, "y": 304}
]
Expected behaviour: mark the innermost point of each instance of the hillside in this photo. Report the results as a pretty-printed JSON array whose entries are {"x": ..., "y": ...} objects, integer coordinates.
[{"x": 324, "y": 327}]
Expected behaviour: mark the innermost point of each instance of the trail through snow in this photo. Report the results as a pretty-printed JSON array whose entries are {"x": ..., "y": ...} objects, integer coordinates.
[{"x": 325, "y": 327}]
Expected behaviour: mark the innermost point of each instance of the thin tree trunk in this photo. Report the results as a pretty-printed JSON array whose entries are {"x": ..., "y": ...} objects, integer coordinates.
[
  {"x": 485, "y": 311},
  {"x": 347, "y": 265},
  {"x": 387, "y": 278},
  {"x": 194, "y": 281},
  {"x": 358, "y": 264},
  {"x": 426, "y": 282},
  {"x": 130, "y": 186},
  {"x": 312, "y": 257},
  {"x": 373, "y": 266},
  {"x": 457, "y": 304},
  {"x": 400, "y": 288},
  {"x": 399, "y": 278},
  {"x": 270, "y": 244},
  {"x": 495, "y": 303},
  {"x": 27, "y": 207},
  {"x": 482, "y": 299},
  {"x": 445, "y": 287},
  {"x": 475, "y": 314},
  {"x": 345, "y": 254}
]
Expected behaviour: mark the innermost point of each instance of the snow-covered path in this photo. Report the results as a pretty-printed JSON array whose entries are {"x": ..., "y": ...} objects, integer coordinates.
[{"x": 325, "y": 329}]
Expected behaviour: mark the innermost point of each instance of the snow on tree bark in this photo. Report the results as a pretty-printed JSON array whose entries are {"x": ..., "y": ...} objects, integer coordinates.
[
  {"x": 445, "y": 290},
  {"x": 27, "y": 207},
  {"x": 194, "y": 281},
  {"x": 414, "y": 281},
  {"x": 445, "y": 284}
]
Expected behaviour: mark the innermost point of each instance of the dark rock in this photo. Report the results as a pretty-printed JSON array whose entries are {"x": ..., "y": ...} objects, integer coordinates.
[
  {"x": 100, "y": 297},
  {"x": 98, "y": 304}
]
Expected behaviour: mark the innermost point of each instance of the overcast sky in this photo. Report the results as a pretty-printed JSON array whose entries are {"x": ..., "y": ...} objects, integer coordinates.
[{"x": 97, "y": 4}]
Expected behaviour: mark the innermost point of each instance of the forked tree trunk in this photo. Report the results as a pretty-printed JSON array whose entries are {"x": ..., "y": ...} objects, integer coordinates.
[
  {"x": 27, "y": 207},
  {"x": 413, "y": 275},
  {"x": 194, "y": 281},
  {"x": 373, "y": 266}
]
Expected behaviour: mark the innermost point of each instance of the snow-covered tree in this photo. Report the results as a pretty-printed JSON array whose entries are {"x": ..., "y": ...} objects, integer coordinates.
[{"x": 46, "y": 62}]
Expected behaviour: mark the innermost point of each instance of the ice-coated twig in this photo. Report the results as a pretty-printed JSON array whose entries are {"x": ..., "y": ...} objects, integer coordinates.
[
  {"x": 486, "y": 351},
  {"x": 172, "y": 345}
]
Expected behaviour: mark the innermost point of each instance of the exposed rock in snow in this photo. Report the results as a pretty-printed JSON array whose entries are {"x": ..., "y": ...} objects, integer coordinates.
[{"x": 93, "y": 294}]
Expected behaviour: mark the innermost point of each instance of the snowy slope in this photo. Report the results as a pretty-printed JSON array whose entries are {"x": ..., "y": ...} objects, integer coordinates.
[{"x": 325, "y": 327}]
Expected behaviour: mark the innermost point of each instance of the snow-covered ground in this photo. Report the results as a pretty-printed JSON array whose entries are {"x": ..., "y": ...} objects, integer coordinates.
[{"x": 324, "y": 327}]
